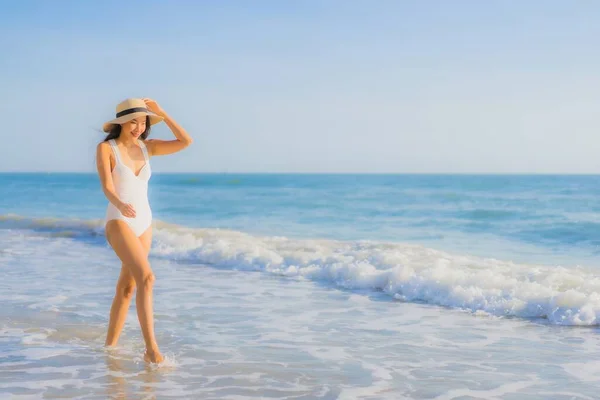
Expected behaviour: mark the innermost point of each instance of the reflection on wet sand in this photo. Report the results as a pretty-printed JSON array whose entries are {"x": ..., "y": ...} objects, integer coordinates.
[{"x": 126, "y": 377}]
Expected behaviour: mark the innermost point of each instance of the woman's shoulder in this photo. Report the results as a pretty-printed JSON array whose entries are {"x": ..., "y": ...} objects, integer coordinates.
[
  {"x": 149, "y": 144},
  {"x": 103, "y": 145},
  {"x": 103, "y": 149}
]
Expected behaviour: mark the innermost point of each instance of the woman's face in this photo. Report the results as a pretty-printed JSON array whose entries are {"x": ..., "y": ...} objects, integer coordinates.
[{"x": 135, "y": 127}]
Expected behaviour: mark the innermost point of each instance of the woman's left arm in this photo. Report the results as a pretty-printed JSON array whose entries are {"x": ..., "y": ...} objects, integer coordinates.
[{"x": 157, "y": 147}]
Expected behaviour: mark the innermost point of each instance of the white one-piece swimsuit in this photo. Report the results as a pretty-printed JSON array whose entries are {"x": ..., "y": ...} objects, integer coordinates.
[{"x": 132, "y": 189}]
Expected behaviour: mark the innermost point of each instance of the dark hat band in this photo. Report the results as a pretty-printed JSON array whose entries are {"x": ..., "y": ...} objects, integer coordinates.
[{"x": 131, "y": 111}]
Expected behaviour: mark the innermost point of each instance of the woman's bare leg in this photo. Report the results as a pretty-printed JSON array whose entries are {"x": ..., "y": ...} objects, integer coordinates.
[
  {"x": 123, "y": 295},
  {"x": 120, "y": 305},
  {"x": 133, "y": 256}
]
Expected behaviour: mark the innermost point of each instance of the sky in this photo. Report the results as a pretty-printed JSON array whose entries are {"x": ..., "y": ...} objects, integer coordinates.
[{"x": 308, "y": 86}]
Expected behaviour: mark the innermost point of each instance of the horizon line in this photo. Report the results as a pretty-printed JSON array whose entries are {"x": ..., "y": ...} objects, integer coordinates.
[{"x": 313, "y": 173}]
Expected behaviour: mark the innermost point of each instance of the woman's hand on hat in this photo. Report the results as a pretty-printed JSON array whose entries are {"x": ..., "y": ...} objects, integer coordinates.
[
  {"x": 153, "y": 106},
  {"x": 127, "y": 210}
]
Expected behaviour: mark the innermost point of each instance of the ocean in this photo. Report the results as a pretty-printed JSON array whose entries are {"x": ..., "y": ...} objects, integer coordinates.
[{"x": 292, "y": 286}]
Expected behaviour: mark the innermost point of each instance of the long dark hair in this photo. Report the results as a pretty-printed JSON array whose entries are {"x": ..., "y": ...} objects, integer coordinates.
[{"x": 115, "y": 131}]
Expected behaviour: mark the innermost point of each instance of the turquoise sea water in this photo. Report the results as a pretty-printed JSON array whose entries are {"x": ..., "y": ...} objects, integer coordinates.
[
  {"x": 558, "y": 215},
  {"x": 322, "y": 286}
]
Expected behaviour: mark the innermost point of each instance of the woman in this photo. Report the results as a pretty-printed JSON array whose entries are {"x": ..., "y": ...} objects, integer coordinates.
[{"x": 123, "y": 162}]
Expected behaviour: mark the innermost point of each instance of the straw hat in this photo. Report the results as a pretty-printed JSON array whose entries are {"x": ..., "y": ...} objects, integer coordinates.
[{"x": 130, "y": 109}]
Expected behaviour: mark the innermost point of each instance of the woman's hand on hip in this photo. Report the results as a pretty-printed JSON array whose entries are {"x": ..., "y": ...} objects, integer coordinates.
[{"x": 127, "y": 210}]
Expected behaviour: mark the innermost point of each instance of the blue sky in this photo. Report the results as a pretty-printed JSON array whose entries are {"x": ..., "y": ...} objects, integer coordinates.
[{"x": 309, "y": 86}]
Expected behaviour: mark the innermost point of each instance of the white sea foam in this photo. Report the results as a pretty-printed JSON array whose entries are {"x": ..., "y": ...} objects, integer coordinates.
[
  {"x": 562, "y": 295},
  {"x": 235, "y": 334}
]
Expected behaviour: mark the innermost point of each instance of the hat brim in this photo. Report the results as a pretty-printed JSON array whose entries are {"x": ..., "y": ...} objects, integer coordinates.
[{"x": 154, "y": 119}]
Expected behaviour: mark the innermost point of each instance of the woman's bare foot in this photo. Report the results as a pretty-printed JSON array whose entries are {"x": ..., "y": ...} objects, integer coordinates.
[{"x": 153, "y": 356}]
